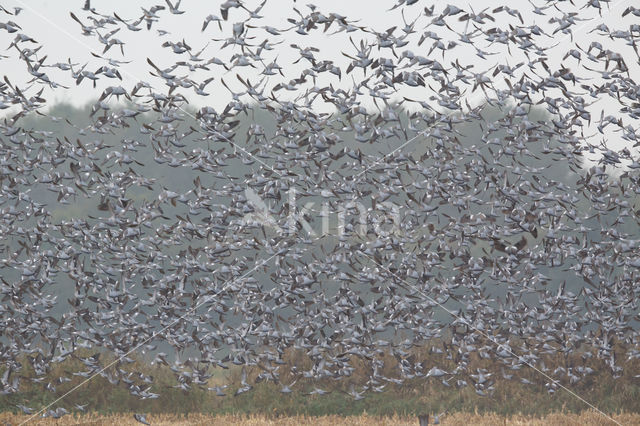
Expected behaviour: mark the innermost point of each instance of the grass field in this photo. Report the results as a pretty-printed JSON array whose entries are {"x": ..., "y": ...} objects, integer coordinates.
[
  {"x": 583, "y": 419},
  {"x": 511, "y": 403}
]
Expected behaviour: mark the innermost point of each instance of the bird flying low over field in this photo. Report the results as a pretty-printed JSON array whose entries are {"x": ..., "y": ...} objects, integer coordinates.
[{"x": 330, "y": 203}]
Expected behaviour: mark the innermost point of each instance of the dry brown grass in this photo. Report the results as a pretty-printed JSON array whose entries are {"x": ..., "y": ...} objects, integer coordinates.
[{"x": 583, "y": 419}]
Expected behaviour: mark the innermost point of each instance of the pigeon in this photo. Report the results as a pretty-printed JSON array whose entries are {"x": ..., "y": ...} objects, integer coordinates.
[
  {"x": 141, "y": 418},
  {"x": 399, "y": 194}
]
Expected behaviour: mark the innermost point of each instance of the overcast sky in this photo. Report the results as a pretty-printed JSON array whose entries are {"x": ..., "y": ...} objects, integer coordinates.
[{"x": 50, "y": 24}]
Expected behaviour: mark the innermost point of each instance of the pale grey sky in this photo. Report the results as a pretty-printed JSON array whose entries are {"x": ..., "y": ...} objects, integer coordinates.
[{"x": 49, "y": 23}]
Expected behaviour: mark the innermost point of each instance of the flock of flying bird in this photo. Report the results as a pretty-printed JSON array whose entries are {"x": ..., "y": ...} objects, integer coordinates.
[{"x": 493, "y": 258}]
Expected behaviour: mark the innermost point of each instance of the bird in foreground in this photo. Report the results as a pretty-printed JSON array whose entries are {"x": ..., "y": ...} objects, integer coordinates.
[
  {"x": 25, "y": 409},
  {"x": 141, "y": 418}
]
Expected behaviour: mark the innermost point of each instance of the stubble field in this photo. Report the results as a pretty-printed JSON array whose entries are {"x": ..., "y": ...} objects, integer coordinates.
[{"x": 560, "y": 419}]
